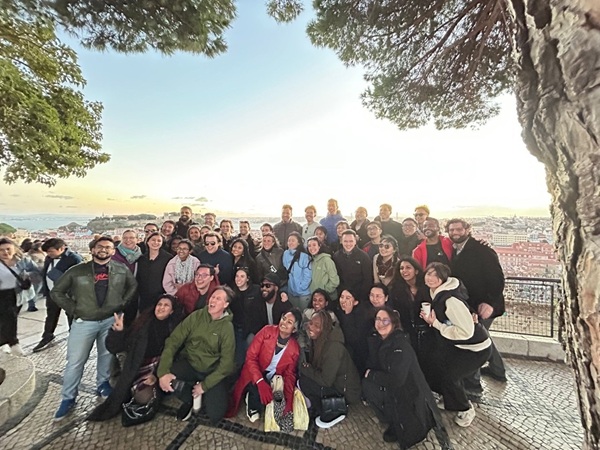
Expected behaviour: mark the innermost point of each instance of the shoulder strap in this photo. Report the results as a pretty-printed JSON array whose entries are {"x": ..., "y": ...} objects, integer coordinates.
[{"x": 15, "y": 274}]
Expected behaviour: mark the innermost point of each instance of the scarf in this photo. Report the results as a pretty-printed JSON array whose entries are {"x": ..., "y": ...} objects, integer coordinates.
[
  {"x": 184, "y": 270},
  {"x": 385, "y": 269},
  {"x": 130, "y": 255}
]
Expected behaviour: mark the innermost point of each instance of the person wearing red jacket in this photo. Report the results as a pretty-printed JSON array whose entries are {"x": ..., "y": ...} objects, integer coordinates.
[
  {"x": 274, "y": 351},
  {"x": 435, "y": 248},
  {"x": 193, "y": 295}
]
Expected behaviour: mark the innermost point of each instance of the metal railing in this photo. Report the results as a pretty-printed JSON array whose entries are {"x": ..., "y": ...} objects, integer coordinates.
[{"x": 531, "y": 306}]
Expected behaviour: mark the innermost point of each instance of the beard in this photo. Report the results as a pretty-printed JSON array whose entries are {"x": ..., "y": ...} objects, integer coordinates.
[
  {"x": 268, "y": 296},
  {"x": 102, "y": 258},
  {"x": 184, "y": 219},
  {"x": 460, "y": 239}
]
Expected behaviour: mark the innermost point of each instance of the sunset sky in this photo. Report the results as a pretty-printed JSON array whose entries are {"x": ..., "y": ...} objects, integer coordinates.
[{"x": 275, "y": 120}]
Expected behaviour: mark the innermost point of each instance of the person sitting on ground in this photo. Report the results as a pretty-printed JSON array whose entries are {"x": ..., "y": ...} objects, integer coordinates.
[
  {"x": 194, "y": 295},
  {"x": 274, "y": 351},
  {"x": 143, "y": 342},
  {"x": 355, "y": 325},
  {"x": 180, "y": 270},
  {"x": 319, "y": 300},
  {"x": 268, "y": 308},
  {"x": 329, "y": 370},
  {"x": 463, "y": 345},
  {"x": 394, "y": 385},
  {"x": 199, "y": 356}
]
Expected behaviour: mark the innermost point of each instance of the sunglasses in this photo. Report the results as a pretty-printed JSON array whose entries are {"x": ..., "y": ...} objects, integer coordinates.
[
  {"x": 210, "y": 243},
  {"x": 267, "y": 285},
  {"x": 386, "y": 246}
]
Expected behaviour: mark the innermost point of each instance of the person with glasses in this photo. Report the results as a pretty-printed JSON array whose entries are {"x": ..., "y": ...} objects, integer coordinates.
[
  {"x": 181, "y": 268},
  {"x": 374, "y": 232},
  {"x": 421, "y": 214},
  {"x": 193, "y": 295},
  {"x": 394, "y": 385},
  {"x": 91, "y": 292},
  {"x": 412, "y": 237},
  {"x": 268, "y": 308},
  {"x": 150, "y": 272},
  {"x": 214, "y": 255},
  {"x": 384, "y": 263}
]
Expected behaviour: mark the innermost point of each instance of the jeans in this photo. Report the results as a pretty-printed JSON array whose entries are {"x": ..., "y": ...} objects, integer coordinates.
[{"x": 81, "y": 339}]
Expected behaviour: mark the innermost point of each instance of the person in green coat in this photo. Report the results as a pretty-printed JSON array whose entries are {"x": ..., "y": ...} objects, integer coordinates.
[
  {"x": 205, "y": 347},
  {"x": 324, "y": 272},
  {"x": 329, "y": 370}
]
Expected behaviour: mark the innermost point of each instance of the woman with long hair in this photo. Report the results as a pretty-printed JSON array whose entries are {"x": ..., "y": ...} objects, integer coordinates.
[
  {"x": 384, "y": 263},
  {"x": 463, "y": 345},
  {"x": 17, "y": 275},
  {"x": 240, "y": 252},
  {"x": 181, "y": 268},
  {"x": 270, "y": 258},
  {"x": 246, "y": 293},
  {"x": 355, "y": 324},
  {"x": 324, "y": 273},
  {"x": 394, "y": 384},
  {"x": 297, "y": 264},
  {"x": 329, "y": 370},
  {"x": 151, "y": 270},
  {"x": 143, "y": 342}
]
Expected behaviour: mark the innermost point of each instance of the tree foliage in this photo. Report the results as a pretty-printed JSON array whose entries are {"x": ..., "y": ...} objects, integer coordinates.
[
  {"x": 47, "y": 129},
  {"x": 6, "y": 229},
  {"x": 445, "y": 60}
]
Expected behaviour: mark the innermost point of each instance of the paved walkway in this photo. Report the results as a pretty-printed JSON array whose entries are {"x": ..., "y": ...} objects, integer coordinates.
[{"x": 536, "y": 409}]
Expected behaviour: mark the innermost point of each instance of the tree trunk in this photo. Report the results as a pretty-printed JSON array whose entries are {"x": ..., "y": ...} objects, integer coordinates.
[{"x": 557, "y": 43}]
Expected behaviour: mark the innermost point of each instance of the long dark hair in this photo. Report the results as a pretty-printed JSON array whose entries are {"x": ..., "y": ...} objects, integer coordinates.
[
  {"x": 299, "y": 250},
  {"x": 318, "y": 344},
  {"x": 246, "y": 252},
  {"x": 398, "y": 281},
  {"x": 148, "y": 315}
]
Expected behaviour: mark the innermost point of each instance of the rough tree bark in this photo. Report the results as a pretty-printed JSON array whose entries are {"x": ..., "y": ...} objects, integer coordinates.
[{"x": 558, "y": 99}]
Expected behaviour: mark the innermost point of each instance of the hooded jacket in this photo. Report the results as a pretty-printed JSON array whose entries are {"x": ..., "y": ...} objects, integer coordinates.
[{"x": 324, "y": 275}]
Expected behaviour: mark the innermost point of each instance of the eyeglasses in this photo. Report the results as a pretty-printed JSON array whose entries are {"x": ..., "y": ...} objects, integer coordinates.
[
  {"x": 386, "y": 246},
  {"x": 210, "y": 243},
  {"x": 183, "y": 249},
  {"x": 267, "y": 285},
  {"x": 104, "y": 247},
  {"x": 384, "y": 322},
  {"x": 202, "y": 275}
]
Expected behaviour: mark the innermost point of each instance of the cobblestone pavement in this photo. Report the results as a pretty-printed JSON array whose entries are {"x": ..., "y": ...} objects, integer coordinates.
[{"x": 536, "y": 409}]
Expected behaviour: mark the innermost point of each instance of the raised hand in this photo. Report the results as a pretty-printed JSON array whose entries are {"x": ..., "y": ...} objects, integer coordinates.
[{"x": 118, "y": 325}]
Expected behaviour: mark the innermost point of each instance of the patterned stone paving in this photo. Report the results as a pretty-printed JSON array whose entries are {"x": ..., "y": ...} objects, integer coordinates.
[{"x": 536, "y": 409}]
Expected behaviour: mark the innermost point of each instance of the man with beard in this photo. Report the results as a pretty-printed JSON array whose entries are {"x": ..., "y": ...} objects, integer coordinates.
[
  {"x": 435, "y": 248},
  {"x": 411, "y": 237},
  {"x": 93, "y": 293},
  {"x": 478, "y": 267},
  {"x": 210, "y": 220},
  {"x": 185, "y": 221},
  {"x": 287, "y": 225},
  {"x": 268, "y": 309},
  {"x": 389, "y": 225}
]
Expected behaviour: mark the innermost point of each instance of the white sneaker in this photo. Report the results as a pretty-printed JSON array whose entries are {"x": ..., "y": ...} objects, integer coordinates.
[
  {"x": 197, "y": 404},
  {"x": 17, "y": 350},
  {"x": 322, "y": 424},
  {"x": 252, "y": 414},
  {"x": 5, "y": 349},
  {"x": 465, "y": 418}
]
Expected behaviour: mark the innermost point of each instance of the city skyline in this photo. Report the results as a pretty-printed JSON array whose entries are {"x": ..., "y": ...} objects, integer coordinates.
[{"x": 275, "y": 120}]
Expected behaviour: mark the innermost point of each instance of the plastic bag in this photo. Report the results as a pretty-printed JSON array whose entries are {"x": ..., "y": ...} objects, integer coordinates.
[
  {"x": 270, "y": 422},
  {"x": 301, "y": 417}
]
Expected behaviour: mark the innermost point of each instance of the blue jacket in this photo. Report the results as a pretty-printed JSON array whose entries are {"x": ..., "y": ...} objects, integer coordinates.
[
  {"x": 300, "y": 273},
  {"x": 329, "y": 222}
]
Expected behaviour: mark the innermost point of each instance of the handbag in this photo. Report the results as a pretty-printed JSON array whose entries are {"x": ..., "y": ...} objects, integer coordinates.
[
  {"x": 333, "y": 405},
  {"x": 23, "y": 283},
  {"x": 136, "y": 414}
]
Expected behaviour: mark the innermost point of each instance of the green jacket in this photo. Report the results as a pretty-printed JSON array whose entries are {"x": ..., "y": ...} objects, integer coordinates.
[
  {"x": 74, "y": 291},
  {"x": 338, "y": 370},
  {"x": 324, "y": 275},
  {"x": 207, "y": 344}
]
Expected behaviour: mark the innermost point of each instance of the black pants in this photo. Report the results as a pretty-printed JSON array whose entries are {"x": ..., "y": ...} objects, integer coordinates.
[
  {"x": 214, "y": 400},
  {"x": 52, "y": 316},
  {"x": 8, "y": 317},
  {"x": 379, "y": 399},
  {"x": 455, "y": 364},
  {"x": 314, "y": 391},
  {"x": 496, "y": 364}
]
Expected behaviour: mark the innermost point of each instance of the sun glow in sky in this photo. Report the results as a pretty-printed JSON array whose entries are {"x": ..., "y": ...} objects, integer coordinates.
[{"x": 275, "y": 120}]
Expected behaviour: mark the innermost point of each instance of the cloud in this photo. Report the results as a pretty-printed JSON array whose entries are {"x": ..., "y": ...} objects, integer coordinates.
[
  {"x": 71, "y": 206},
  {"x": 111, "y": 199},
  {"x": 182, "y": 198},
  {"x": 62, "y": 197},
  {"x": 201, "y": 199},
  {"x": 138, "y": 196},
  {"x": 15, "y": 195}
]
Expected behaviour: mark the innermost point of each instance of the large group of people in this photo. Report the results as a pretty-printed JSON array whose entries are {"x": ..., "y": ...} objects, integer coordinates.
[{"x": 393, "y": 313}]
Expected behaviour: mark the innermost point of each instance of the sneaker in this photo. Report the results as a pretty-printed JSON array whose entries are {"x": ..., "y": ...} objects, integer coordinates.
[
  {"x": 184, "y": 412},
  {"x": 197, "y": 404},
  {"x": 277, "y": 385},
  {"x": 486, "y": 371},
  {"x": 252, "y": 414},
  {"x": 32, "y": 309},
  {"x": 464, "y": 418},
  {"x": 66, "y": 406},
  {"x": 389, "y": 435},
  {"x": 104, "y": 390},
  {"x": 44, "y": 343},
  {"x": 322, "y": 424},
  {"x": 17, "y": 350}
]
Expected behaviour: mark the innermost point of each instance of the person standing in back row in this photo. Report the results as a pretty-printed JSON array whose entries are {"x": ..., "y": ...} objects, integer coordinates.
[
  {"x": 331, "y": 220},
  {"x": 287, "y": 225},
  {"x": 58, "y": 260}
]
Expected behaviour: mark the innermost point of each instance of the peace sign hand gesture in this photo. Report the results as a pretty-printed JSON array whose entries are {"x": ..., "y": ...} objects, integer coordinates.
[{"x": 118, "y": 325}]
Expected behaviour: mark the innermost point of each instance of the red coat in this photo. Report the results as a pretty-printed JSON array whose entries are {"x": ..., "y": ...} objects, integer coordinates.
[
  {"x": 258, "y": 358},
  {"x": 188, "y": 294},
  {"x": 420, "y": 252}
]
